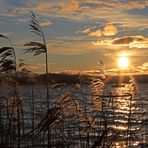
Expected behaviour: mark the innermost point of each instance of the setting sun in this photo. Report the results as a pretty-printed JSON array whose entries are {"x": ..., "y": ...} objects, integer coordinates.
[{"x": 123, "y": 62}]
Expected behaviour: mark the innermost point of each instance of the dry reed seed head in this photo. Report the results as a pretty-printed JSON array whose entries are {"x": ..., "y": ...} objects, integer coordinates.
[
  {"x": 1, "y": 35},
  {"x": 51, "y": 118},
  {"x": 96, "y": 85},
  {"x": 4, "y": 50},
  {"x": 35, "y": 47},
  {"x": 101, "y": 69},
  {"x": 35, "y": 26},
  {"x": 7, "y": 63},
  {"x": 133, "y": 86},
  {"x": 71, "y": 107},
  {"x": 97, "y": 88}
]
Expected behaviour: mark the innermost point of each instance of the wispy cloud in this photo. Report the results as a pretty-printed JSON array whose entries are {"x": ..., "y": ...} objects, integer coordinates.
[
  {"x": 71, "y": 7},
  {"x": 43, "y": 6},
  {"x": 88, "y": 10},
  {"x": 80, "y": 6},
  {"x": 85, "y": 31},
  {"x": 97, "y": 33},
  {"x": 37, "y": 67},
  {"x": 107, "y": 30},
  {"x": 83, "y": 10},
  {"x": 47, "y": 23},
  {"x": 143, "y": 68},
  {"x": 69, "y": 48}
]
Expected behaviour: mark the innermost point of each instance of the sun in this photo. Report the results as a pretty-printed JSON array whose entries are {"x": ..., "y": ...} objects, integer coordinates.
[{"x": 123, "y": 62}]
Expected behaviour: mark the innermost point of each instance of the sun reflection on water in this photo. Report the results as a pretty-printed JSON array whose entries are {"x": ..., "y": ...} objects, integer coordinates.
[{"x": 126, "y": 117}]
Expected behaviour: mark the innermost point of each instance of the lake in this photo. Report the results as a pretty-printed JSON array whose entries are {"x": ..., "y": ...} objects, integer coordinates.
[{"x": 81, "y": 117}]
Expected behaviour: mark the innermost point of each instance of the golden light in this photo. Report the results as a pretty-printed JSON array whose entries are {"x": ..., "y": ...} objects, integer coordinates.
[{"x": 123, "y": 62}]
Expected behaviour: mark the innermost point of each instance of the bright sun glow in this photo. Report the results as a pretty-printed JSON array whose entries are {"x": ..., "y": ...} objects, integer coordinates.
[{"x": 123, "y": 62}]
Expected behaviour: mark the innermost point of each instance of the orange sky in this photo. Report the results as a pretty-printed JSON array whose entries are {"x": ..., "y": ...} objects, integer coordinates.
[{"x": 79, "y": 32}]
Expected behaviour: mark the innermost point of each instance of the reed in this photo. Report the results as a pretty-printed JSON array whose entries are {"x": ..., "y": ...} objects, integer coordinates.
[
  {"x": 38, "y": 48},
  {"x": 8, "y": 64}
]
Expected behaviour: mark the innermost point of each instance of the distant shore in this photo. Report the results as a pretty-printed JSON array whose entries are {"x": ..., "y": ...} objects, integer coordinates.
[{"x": 75, "y": 78}]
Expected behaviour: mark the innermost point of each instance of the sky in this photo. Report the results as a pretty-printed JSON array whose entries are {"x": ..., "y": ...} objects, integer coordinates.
[{"x": 79, "y": 33}]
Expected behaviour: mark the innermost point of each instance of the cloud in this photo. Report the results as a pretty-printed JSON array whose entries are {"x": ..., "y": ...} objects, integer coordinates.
[
  {"x": 20, "y": 11},
  {"x": 71, "y": 47},
  {"x": 68, "y": 48},
  {"x": 85, "y": 10},
  {"x": 143, "y": 68},
  {"x": 37, "y": 67},
  {"x": 132, "y": 41},
  {"x": 113, "y": 71},
  {"x": 116, "y": 71},
  {"x": 82, "y": 10},
  {"x": 88, "y": 9},
  {"x": 110, "y": 30},
  {"x": 124, "y": 40},
  {"x": 106, "y": 42},
  {"x": 134, "y": 5},
  {"x": 43, "y": 6},
  {"x": 128, "y": 5},
  {"x": 47, "y": 23},
  {"x": 71, "y": 7},
  {"x": 128, "y": 41},
  {"x": 87, "y": 30},
  {"x": 60, "y": 7},
  {"x": 74, "y": 6},
  {"x": 97, "y": 33}
]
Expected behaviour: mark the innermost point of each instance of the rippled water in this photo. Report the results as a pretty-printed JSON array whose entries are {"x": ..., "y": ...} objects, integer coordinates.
[
  {"x": 130, "y": 116},
  {"x": 138, "y": 117},
  {"x": 127, "y": 116}
]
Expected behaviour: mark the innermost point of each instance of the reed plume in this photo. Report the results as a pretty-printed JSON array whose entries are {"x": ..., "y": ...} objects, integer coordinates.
[
  {"x": 133, "y": 86},
  {"x": 8, "y": 65},
  {"x": 97, "y": 85}
]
